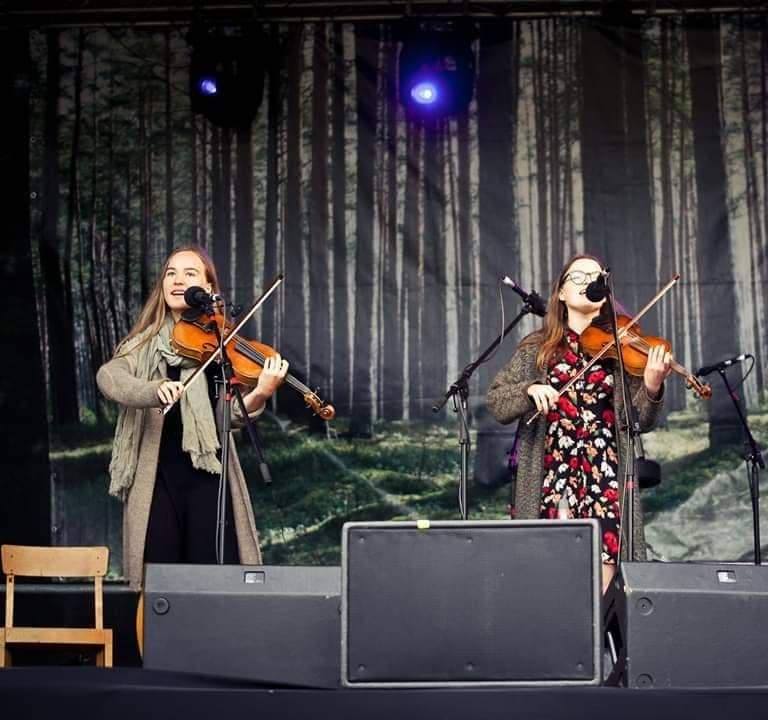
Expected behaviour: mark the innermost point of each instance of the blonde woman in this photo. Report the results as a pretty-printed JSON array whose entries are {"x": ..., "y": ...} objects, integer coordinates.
[
  {"x": 571, "y": 458},
  {"x": 165, "y": 468}
]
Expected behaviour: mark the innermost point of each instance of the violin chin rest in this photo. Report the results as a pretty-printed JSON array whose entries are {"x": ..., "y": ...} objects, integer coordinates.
[{"x": 191, "y": 314}]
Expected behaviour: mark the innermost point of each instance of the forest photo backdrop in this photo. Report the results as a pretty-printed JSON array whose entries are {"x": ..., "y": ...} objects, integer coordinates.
[{"x": 641, "y": 140}]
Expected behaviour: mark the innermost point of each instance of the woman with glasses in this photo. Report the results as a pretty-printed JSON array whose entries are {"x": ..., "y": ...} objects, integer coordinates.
[{"x": 571, "y": 458}]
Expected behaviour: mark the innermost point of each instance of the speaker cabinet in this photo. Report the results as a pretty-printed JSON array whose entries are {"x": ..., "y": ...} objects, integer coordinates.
[
  {"x": 675, "y": 625},
  {"x": 276, "y": 625},
  {"x": 471, "y": 603}
]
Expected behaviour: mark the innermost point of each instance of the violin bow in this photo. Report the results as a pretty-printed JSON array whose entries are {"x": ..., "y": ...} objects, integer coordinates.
[
  {"x": 622, "y": 331},
  {"x": 231, "y": 334}
]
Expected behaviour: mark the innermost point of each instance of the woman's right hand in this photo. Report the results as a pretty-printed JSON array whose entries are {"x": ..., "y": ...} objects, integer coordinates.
[
  {"x": 543, "y": 396},
  {"x": 169, "y": 391}
]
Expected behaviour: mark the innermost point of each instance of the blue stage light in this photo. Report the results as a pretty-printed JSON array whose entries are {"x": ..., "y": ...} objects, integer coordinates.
[
  {"x": 436, "y": 67},
  {"x": 208, "y": 86},
  {"x": 425, "y": 93},
  {"x": 226, "y": 73}
]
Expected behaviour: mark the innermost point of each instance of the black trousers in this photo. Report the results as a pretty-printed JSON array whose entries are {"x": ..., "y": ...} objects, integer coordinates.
[{"x": 183, "y": 518}]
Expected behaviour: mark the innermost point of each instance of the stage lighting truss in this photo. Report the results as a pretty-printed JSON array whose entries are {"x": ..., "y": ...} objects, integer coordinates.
[
  {"x": 436, "y": 74},
  {"x": 226, "y": 75}
]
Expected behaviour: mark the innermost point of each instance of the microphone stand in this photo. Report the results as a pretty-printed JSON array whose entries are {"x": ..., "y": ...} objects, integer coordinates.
[
  {"x": 755, "y": 462},
  {"x": 231, "y": 386},
  {"x": 633, "y": 435},
  {"x": 225, "y": 424},
  {"x": 231, "y": 390},
  {"x": 459, "y": 393}
]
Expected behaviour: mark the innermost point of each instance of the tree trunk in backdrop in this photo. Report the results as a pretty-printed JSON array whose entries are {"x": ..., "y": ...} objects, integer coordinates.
[
  {"x": 319, "y": 276},
  {"x": 433, "y": 329},
  {"x": 391, "y": 396},
  {"x": 499, "y": 247},
  {"x": 294, "y": 316},
  {"x": 271, "y": 261},
  {"x": 243, "y": 289},
  {"x": 170, "y": 219},
  {"x": 366, "y": 42},
  {"x": 412, "y": 264},
  {"x": 717, "y": 293},
  {"x": 62, "y": 375},
  {"x": 342, "y": 358},
  {"x": 617, "y": 199}
]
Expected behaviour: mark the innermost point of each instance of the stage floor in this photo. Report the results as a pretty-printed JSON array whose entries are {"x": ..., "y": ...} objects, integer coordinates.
[{"x": 130, "y": 693}]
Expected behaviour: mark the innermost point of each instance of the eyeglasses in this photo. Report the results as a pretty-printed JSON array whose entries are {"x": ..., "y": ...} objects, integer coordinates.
[{"x": 579, "y": 277}]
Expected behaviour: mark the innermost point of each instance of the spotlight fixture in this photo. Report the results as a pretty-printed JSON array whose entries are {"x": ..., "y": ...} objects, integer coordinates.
[
  {"x": 226, "y": 75},
  {"x": 436, "y": 72}
]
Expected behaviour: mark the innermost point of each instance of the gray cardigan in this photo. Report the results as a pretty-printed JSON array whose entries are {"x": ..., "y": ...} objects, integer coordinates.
[
  {"x": 117, "y": 381},
  {"x": 508, "y": 400}
]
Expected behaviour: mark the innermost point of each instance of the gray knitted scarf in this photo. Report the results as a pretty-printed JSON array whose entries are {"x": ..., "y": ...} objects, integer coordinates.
[{"x": 199, "y": 437}]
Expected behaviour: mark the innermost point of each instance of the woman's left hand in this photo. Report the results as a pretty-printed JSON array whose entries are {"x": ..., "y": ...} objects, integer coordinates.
[
  {"x": 272, "y": 375},
  {"x": 657, "y": 369}
]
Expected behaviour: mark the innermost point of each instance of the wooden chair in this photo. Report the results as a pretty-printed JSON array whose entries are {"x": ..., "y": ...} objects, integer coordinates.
[{"x": 70, "y": 562}]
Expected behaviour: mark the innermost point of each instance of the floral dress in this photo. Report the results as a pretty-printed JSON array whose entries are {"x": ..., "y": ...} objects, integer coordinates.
[{"x": 580, "y": 456}]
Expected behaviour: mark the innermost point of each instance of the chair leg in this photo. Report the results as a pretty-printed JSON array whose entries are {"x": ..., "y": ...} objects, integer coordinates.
[
  {"x": 5, "y": 655},
  {"x": 108, "y": 653},
  {"x": 100, "y": 658}
]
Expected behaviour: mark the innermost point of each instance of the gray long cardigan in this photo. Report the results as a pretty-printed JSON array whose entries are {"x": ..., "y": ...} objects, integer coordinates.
[
  {"x": 117, "y": 380},
  {"x": 508, "y": 400}
]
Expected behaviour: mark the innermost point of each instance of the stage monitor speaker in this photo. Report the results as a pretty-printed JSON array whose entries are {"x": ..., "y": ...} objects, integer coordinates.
[
  {"x": 471, "y": 603},
  {"x": 270, "y": 624},
  {"x": 675, "y": 625}
]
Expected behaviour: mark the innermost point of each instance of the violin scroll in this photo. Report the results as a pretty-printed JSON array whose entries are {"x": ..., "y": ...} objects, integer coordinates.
[
  {"x": 324, "y": 410},
  {"x": 702, "y": 389}
]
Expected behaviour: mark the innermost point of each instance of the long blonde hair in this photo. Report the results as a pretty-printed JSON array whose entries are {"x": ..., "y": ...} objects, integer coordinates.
[
  {"x": 551, "y": 337},
  {"x": 155, "y": 310}
]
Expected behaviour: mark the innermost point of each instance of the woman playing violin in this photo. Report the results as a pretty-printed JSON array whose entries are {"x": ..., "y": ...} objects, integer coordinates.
[
  {"x": 166, "y": 468},
  {"x": 571, "y": 458}
]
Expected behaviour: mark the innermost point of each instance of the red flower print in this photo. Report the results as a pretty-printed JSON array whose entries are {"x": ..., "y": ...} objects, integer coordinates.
[
  {"x": 548, "y": 461},
  {"x": 582, "y": 492},
  {"x": 552, "y": 513},
  {"x": 553, "y": 416},
  {"x": 582, "y": 433},
  {"x": 611, "y": 495},
  {"x": 585, "y": 466},
  {"x": 608, "y": 417},
  {"x": 611, "y": 542},
  {"x": 573, "y": 463},
  {"x": 567, "y": 407},
  {"x": 596, "y": 377},
  {"x": 570, "y": 357}
]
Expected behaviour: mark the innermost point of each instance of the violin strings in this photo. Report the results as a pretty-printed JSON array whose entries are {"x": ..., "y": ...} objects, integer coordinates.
[
  {"x": 637, "y": 340},
  {"x": 255, "y": 355}
]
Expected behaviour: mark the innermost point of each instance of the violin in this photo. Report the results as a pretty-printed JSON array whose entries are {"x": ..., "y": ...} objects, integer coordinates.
[
  {"x": 634, "y": 351},
  {"x": 195, "y": 336}
]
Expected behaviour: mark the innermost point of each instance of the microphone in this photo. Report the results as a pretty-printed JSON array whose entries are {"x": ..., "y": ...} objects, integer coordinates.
[
  {"x": 196, "y": 297},
  {"x": 598, "y": 289},
  {"x": 532, "y": 299},
  {"x": 717, "y": 367}
]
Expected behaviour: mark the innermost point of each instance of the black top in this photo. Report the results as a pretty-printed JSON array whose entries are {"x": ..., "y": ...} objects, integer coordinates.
[{"x": 172, "y": 459}]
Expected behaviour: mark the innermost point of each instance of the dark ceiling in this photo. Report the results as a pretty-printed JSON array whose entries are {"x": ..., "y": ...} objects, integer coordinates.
[{"x": 38, "y": 13}]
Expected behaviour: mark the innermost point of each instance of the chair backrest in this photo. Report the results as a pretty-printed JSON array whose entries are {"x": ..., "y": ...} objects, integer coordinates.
[
  {"x": 29, "y": 561},
  {"x": 69, "y": 562}
]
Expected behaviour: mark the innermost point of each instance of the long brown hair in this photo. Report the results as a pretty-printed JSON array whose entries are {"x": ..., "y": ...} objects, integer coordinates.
[
  {"x": 551, "y": 336},
  {"x": 154, "y": 312}
]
